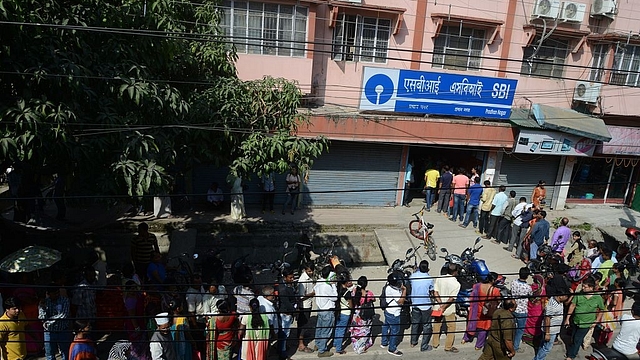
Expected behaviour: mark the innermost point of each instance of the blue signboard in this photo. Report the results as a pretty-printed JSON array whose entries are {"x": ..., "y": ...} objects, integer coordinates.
[{"x": 424, "y": 92}]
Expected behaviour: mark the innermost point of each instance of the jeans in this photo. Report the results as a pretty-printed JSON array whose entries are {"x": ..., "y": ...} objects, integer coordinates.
[
  {"x": 472, "y": 215},
  {"x": 521, "y": 321},
  {"x": 533, "y": 251},
  {"x": 515, "y": 232},
  {"x": 54, "y": 340},
  {"x": 483, "y": 224},
  {"x": 578, "y": 337},
  {"x": 443, "y": 200},
  {"x": 283, "y": 333},
  {"x": 391, "y": 331},
  {"x": 421, "y": 323},
  {"x": 342, "y": 324},
  {"x": 324, "y": 328},
  {"x": 504, "y": 225},
  {"x": 545, "y": 348},
  {"x": 429, "y": 192},
  {"x": 293, "y": 198},
  {"x": 458, "y": 206}
]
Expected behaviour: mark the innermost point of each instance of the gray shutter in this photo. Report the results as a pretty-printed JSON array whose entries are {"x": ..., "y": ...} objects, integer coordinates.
[
  {"x": 521, "y": 173},
  {"x": 355, "y": 166}
]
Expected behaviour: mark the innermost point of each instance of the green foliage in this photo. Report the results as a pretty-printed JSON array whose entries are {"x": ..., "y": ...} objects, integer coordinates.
[{"x": 119, "y": 93}]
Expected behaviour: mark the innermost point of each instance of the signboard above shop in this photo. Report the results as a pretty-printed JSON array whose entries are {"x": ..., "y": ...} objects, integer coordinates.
[
  {"x": 553, "y": 143},
  {"x": 424, "y": 92}
]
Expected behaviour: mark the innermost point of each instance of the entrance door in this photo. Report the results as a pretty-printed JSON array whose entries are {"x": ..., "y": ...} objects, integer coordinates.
[{"x": 522, "y": 172}]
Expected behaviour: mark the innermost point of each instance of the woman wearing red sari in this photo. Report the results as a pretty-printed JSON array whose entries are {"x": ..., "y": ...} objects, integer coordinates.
[{"x": 478, "y": 324}]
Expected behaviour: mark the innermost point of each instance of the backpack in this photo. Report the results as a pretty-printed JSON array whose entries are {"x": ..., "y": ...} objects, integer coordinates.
[
  {"x": 490, "y": 306},
  {"x": 383, "y": 298},
  {"x": 526, "y": 217},
  {"x": 367, "y": 310}
]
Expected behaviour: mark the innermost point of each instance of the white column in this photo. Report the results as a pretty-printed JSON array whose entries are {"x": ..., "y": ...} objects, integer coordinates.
[{"x": 563, "y": 180}]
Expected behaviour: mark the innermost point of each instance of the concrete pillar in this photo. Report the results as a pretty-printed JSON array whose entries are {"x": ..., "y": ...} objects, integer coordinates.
[
  {"x": 563, "y": 180},
  {"x": 492, "y": 166}
]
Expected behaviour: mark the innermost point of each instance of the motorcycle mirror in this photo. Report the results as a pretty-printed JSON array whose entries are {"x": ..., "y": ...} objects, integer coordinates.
[
  {"x": 195, "y": 256},
  {"x": 444, "y": 250},
  {"x": 286, "y": 244},
  {"x": 408, "y": 251},
  {"x": 477, "y": 240}
]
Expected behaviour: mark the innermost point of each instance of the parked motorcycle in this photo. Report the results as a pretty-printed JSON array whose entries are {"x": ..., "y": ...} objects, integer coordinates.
[
  {"x": 605, "y": 354},
  {"x": 628, "y": 252},
  {"x": 406, "y": 266},
  {"x": 546, "y": 261}
]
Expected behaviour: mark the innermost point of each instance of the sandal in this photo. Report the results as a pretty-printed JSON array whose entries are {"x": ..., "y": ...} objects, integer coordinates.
[
  {"x": 515, "y": 257},
  {"x": 453, "y": 350},
  {"x": 305, "y": 349},
  {"x": 463, "y": 342}
]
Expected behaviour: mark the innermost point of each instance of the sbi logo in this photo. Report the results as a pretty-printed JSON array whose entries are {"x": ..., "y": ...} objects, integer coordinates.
[{"x": 501, "y": 91}]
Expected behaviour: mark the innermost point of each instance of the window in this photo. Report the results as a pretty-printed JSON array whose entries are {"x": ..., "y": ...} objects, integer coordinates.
[
  {"x": 626, "y": 65},
  {"x": 598, "y": 62},
  {"x": 546, "y": 60},
  {"x": 265, "y": 28},
  {"x": 357, "y": 38},
  {"x": 458, "y": 48}
]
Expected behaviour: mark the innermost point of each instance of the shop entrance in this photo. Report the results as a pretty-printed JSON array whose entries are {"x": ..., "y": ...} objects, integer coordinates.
[{"x": 601, "y": 178}]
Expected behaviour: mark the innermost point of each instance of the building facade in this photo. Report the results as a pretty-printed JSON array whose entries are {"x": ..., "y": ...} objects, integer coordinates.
[{"x": 571, "y": 120}]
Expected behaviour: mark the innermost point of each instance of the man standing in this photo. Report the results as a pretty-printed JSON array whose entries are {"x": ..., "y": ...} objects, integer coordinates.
[
  {"x": 485, "y": 206},
  {"x": 516, "y": 214},
  {"x": 421, "y": 292},
  {"x": 504, "y": 222},
  {"x": 84, "y": 296},
  {"x": 499, "y": 344},
  {"x": 552, "y": 323},
  {"x": 195, "y": 307},
  {"x": 326, "y": 297},
  {"x": 287, "y": 297},
  {"x": 521, "y": 291},
  {"x": 445, "y": 291},
  {"x": 13, "y": 343},
  {"x": 395, "y": 293},
  {"x": 539, "y": 234},
  {"x": 143, "y": 246},
  {"x": 474, "y": 194},
  {"x": 306, "y": 294},
  {"x": 431, "y": 177},
  {"x": 210, "y": 299},
  {"x": 445, "y": 191},
  {"x": 561, "y": 236},
  {"x": 408, "y": 179},
  {"x": 161, "y": 344},
  {"x": 629, "y": 335},
  {"x": 460, "y": 186},
  {"x": 497, "y": 205},
  {"x": 54, "y": 311}
]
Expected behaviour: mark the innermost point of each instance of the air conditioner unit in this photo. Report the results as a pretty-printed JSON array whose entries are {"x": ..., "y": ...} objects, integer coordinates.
[
  {"x": 587, "y": 92},
  {"x": 573, "y": 11},
  {"x": 606, "y": 8},
  {"x": 546, "y": 9}
]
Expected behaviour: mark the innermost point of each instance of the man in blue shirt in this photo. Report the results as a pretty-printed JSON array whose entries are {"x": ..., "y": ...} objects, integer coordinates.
[
  {"x": 497, "y": 206},
  {"x": 473, "y": 193},
  {"x": 539, "y": 234},
  {"x": 421, "y": 291},
  {"x": 445, "y": 191}
]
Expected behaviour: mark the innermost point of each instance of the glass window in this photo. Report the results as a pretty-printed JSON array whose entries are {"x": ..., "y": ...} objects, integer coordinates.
[
  {"x": 458, "y": 48},
  {"x": 626, "y": 64},
  {"x": 357, "y": 38},
  {"x": 546, "y": 59},
  {"x": 265, "y": 28},
  {"x": 598, "y": 62}
]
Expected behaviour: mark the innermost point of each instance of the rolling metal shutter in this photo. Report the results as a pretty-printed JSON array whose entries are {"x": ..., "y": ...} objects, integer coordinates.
[
  {"x": 521, "y": 173},
  {"x": 355, "y": 166}
]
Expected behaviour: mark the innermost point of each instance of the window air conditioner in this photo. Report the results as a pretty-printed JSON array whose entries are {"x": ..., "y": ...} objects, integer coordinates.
[
  {"x": 606, "y": 8},
  {"x": 546, "y": 9},
  {"x": 587, "y": 92},
  {"x": 573, "y": 11}
]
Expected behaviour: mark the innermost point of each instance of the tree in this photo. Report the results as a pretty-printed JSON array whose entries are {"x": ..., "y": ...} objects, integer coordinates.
[{"x": 118, "y": 94}]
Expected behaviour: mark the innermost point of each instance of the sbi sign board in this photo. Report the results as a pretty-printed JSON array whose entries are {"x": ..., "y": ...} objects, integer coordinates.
[{"x": 424, "y": 92}]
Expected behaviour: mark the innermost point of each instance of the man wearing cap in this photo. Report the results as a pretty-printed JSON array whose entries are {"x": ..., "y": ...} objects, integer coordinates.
[{"x": 161, "y": 344}]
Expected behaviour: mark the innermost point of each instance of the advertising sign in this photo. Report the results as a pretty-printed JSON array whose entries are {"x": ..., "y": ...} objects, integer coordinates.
[
  {"x": 424, "y": 92},
  {"x": 624, "y": 141},
  {"x": 553, "y": 143}
]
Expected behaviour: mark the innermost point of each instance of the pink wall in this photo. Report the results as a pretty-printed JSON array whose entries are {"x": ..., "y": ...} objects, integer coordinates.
[{"x": 252, "y": 67}]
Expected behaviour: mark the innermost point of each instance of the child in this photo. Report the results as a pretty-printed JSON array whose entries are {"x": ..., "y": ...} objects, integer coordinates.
[{"x": 592, "y": 250}]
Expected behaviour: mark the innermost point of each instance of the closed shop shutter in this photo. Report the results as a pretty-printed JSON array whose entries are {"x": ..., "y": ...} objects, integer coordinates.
[
  {"x": 521, "y": 173},
  {"x": 355, "y": 166}
]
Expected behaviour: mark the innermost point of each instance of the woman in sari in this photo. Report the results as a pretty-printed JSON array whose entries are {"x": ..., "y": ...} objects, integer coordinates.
[
  {"x": 254, "y": 330},
  {"x": 221, "y": 332},
  {"x": 180, "y": 333},
  {"x": 360, "y": 321},
  {"x": 478, "y": 324},
  {"x": 538, "y": 197},
  {"x": 535, "y": 312}
]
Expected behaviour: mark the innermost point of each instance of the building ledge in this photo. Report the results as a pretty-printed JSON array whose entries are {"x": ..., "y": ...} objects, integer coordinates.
[
  {"x": 441, "y": 19},
  {"x": 371, "y": 9}
]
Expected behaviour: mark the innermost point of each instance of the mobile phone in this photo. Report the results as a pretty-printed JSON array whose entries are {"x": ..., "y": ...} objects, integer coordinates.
[{"x": 533, "y": 147}]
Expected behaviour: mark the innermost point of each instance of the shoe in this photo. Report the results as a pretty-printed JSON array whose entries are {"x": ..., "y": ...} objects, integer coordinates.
[
  {"x": 484, "y": 237},
  {"x": 429, "y": 348},
  {"x": 383, "y": 346},
  {"x": 428, "y": 210},
  {"x": 325, "y": 354},
  {"x": 496, "y": 242},
  {"x": 395, "y": 353},
  {"x": 342, "y": 352},
  {"x": 453, "y": 350},
  {"x": 478, "y": 231},
  {"x": 463, "y": 226}
]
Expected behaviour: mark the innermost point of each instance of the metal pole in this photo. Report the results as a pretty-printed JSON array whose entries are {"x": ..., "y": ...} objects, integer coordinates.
[
  {"x": 606, "y": 192},
  {"x": 626, "y": 192}
]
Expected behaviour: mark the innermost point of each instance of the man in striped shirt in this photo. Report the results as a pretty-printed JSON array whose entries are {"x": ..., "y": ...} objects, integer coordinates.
[{"x": 143, "y": 246}]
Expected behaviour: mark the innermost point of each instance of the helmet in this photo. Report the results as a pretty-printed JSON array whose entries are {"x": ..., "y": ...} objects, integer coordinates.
[
  {"x": 455, "y": 259},
  {"x": 632, "y": 233},
  {"x": 395, "y": 279}
]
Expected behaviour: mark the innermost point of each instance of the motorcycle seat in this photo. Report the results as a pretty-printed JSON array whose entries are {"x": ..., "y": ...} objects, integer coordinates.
[
  {"x": 313, "y": 256},
  {"x": 610, "y": 354}
]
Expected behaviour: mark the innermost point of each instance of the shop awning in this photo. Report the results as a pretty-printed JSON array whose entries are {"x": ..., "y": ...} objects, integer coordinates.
[
  {"x": 523, "y": 118},
  {"x": 570, "y": 122},
  {"x": 625, "y": 141}
]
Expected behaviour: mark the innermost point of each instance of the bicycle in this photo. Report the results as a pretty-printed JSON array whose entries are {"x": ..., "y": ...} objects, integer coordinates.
[{"x": 423, "y": 230}]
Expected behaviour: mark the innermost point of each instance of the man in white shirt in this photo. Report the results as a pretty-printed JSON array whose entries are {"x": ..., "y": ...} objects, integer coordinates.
[
  {"x": 395, "y": 293},
  {"x": 210, "y": 299},
  {"x": 306, "y": 294},
  {"x": 266, "y": 306},
  {"x": 627, "y": 340},
  {"x": 445, "y": 291},
  {"x": 497, "y": 206},
  {"x": 326, "y": 296},
  {"x": 517, "y": 233},
  {"x": 215, "y": 197}
]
